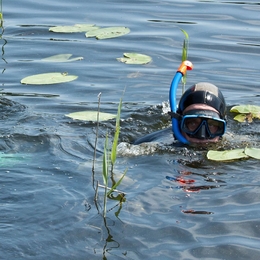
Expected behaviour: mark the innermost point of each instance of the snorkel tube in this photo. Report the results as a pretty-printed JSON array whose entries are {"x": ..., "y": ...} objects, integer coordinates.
[{"x": 185, "y": 65}]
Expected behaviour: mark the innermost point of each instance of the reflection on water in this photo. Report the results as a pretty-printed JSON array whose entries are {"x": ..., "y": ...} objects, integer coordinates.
[{"x": 177, "y": 204}]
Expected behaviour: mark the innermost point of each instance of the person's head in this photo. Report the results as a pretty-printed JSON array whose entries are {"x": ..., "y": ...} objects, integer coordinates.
[{"x": 202, "y": 111}]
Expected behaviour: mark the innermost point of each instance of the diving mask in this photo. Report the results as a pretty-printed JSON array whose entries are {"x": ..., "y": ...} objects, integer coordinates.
[{"x": 202, "y": 124}]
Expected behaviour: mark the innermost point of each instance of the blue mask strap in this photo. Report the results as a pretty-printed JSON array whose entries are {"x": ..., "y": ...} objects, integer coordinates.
[{"x": 186, "y": 65}]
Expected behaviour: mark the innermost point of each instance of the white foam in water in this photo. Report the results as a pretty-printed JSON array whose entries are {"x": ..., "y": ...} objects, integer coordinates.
[{"x": 126, "y": 149}]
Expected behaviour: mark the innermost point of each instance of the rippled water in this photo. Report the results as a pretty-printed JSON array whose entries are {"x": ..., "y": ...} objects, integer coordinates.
[{"x": 178, "y": 205}]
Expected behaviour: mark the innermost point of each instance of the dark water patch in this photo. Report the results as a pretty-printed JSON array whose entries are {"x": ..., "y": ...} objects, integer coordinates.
[{"x": 242, "y": 3}]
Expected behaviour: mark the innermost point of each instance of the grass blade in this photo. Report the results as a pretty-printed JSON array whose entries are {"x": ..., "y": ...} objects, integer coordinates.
[
  {"x": 185, "y": 55},
  {"x": 105, "y": 163},
  {"x": 116, "y": 136},
  {"x": 117, "y": 183},
  {"x": 105, "y": 175}
]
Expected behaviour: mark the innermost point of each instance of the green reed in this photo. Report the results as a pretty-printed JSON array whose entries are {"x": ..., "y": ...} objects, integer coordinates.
[
  {"x": 1, "y": 14},
  {"x": 108, "y": 163},
  {"x": 184, "y": 57}
]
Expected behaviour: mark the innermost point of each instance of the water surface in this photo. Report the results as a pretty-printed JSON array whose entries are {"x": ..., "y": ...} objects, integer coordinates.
[{"x": 46, "y": 193}]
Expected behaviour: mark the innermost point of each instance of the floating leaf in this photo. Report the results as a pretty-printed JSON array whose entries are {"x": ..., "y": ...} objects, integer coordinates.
[
  {"x": 253, "y": 152},
  {"x": 61, "y": 58},
  {"x": 109, "y": 32},
  {"x": 48, "y": 78},
  {"x": 240, "y": 118},
  {"x": 247, "y": 112},
  {"x": 135, "y": 58},
  {"x": 226, "y": 155},
  {"x": 76, "y": 28},
  {"x": 245, "y": 109},
  {"x": 90, "y": 116}
]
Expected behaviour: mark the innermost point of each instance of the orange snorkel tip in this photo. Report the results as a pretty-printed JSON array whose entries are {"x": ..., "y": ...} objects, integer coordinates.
[{"x": 185, "y": 65}]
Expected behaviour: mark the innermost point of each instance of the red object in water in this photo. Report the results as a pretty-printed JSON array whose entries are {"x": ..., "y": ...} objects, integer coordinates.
[{"x": 183, "y": 181}]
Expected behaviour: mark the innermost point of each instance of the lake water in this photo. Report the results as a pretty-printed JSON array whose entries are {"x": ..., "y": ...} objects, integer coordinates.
[{"x": 46, "y": 188}]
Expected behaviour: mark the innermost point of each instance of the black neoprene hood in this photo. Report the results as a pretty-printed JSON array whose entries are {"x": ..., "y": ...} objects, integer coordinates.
[{"x": 203, "y": 93}]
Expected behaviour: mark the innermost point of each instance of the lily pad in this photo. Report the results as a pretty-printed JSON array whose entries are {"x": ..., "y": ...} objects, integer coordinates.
[
  {"x": 76, "y": 28},
  {"x": 228, "y": 155},
  {"x": 109, "y": 32},
  {"x": 240, "y": 118},
  {"x": 245, "y": 109},
  {"x": 61, "y": 58},
  {"x": 246, "y": 112},
  {"x": 253, "y": 152},
  {"x": 48, "y": 78},
  {"x": 135, "y": 58},
  {"x": 91, "y": 116}
]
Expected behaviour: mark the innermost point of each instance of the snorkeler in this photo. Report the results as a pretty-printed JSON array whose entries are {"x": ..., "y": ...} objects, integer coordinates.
[{"x": 200, "y": 117}]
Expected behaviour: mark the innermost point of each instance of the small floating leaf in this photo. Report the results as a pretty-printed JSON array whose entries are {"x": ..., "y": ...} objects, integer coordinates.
[
  {"x": 246, "y": 112},
  {"x": 48, "y": 78},
  {"x": 253, "y": 152},
  {"x": 109, "y": 32},
  {"x": 76, "y": 28},
  {"x": 61, "y": 58},
  {"x": 135, "y": 58},
  {"x": 240, "y": 118},
  {"x": 226, "y": 155},
  {"x": 90, "y": 116}
]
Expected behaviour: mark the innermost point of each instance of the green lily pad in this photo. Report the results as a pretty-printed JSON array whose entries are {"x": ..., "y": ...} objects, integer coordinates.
[
  {"x": 91, "y": 116},
  {"x": 61, "y": 58},
  {"x": 245, "y": 109},
  {"x": 135, "y": 58},
  {"x": 246, "y": 112},
  {"x": 76, "y": 28},
  {"x": 253, "y": 152},
  {"x": 109, "y": 32},
  {"x": 228, "y": 155},
  {"x": 240, "y": 118},
  {"x": 48, "y": 78}
]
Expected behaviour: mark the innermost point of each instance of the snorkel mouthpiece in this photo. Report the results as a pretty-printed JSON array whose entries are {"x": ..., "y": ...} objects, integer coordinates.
[{"x": 185, "y": 65}]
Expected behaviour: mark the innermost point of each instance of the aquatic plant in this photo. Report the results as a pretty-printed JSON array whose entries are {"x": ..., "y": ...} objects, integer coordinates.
[
  {"x": 48, "y": 78},
  {"x": 135, "y": 58},
  {"x": 108, "y": 32},
  {"x": 92, "y": 31},
  {"x": 229, "y": 155},
  {"x": 1, "y": 14},
  {"x": 246, "y": 113},
  {"x": 76, "y": 28},
  {"x": 62, "y": 58},
  {"x": 184, "y": 57},
  {"x": 108, "y": 163}
]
